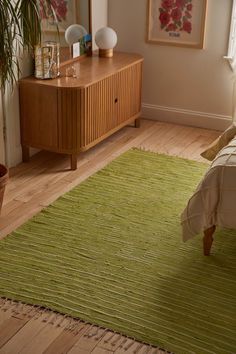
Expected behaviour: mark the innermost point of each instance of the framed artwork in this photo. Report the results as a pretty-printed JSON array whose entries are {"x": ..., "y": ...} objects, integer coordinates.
[
  {"x": 66, "y": 12},
  {"x": 176, "y": 22}
]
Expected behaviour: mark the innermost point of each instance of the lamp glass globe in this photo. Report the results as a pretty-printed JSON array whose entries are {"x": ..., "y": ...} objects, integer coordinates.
[
  {"x": 106, "y": 38},
  {"x": 74, "y": 33}
]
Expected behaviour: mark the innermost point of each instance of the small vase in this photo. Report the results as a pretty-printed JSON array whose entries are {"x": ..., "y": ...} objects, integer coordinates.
[{"x": 47, "y": 62}]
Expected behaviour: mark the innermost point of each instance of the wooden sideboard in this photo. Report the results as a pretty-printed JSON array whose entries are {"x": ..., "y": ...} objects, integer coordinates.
[{"x": 71, "y": 114}]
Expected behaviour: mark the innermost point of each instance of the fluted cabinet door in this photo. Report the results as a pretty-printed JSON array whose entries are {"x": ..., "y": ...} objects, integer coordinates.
[
  {"x": 111, "y": 102},
  {"x": 99, "y": 115},
  {"x": 128, "y": 83}
]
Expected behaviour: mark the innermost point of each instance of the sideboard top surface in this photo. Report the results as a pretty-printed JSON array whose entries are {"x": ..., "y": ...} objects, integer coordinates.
[{"x": 89, "y": 70}]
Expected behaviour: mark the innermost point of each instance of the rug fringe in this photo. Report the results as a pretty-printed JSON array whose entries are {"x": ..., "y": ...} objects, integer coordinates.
[{"x": 75, "y": 325}]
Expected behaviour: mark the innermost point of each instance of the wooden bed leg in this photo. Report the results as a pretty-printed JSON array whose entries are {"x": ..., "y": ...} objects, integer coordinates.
[{"x": 208, "y": 239}]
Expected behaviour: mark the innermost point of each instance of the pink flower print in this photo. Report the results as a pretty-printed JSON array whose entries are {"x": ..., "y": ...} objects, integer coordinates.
[
  {"x": 171, "y": 27},
  {"x": 187, "y": 14},
  {"x": 61, "y": 8},
  {"x": 180, "y": 3},
  {"x": 43, "y": 10},
  {"x": 164, "y": 18},
  {"x": 167, "y": 4},
  {"x": 189, "y": 7},
  {"x": 176, "y": 14},
  {"x": 187, "y": 26}
]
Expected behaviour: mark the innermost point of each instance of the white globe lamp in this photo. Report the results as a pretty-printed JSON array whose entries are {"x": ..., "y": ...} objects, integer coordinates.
[
  {"x": 106, "y": 40},
  {"x": 74, "y": 33}
]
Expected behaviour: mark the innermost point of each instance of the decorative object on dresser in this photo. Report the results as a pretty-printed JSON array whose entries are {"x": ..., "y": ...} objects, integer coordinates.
[
  {"x": 69, "y": 115},
  {"x": 74, "y": 35},
  {"x": 47, "y": 60},
  {"x": 106, "y": 40},
  {"x": 4, "y": 175}
]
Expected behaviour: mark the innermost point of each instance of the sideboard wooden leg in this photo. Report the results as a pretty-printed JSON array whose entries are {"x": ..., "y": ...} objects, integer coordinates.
[
  {"x": 137, "y": 123},
  {"x": 25, "y": 153},
  {"x": 207, "y": 240},
  {"x": 73, "y": 161}
]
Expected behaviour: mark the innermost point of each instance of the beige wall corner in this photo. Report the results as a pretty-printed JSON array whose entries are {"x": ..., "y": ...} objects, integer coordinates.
[
  {"x": 2, "y": 147},
  {"x": 13, "y": 146},
  {"x": 183, "y": 85},
  {"x": 11, "y": 105}
]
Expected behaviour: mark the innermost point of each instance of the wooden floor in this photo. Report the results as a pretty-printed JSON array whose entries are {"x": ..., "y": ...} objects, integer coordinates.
[{"x": 33, "y": 186}]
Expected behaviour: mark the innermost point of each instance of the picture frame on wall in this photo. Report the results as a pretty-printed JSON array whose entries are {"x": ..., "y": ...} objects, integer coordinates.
[
  {"x": 66, "y": 12},
  {"x": 177, "y": 22}
]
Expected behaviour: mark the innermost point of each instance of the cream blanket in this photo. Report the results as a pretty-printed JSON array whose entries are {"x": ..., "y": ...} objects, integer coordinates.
[{"x": 214, "y": 202}]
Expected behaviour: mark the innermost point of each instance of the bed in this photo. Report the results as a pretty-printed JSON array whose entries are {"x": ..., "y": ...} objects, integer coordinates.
[{"x": 214, "y": 201}]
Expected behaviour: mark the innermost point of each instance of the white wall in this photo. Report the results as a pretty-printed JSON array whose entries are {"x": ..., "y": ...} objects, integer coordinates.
[
  {"x": 182, "y": 85},
  {"x": 99, "y": 16}
]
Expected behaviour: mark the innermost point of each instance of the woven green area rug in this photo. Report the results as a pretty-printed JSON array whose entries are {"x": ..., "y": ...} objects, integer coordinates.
[{"x": 110, "y": 252}]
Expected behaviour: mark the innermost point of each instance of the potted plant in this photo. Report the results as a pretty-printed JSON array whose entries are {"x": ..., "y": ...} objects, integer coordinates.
[{"x": 20, "y": 28}]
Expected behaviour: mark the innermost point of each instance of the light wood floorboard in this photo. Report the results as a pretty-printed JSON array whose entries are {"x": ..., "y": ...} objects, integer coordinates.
[{"x": 33, "y": 186}]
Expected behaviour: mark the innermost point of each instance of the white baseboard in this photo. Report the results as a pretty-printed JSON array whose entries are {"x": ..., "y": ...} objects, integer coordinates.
[{"x": 186, "y": 117}]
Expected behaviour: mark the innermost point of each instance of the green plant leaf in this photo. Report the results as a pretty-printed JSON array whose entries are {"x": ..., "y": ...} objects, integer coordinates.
[{"x": 20, "y": 27}]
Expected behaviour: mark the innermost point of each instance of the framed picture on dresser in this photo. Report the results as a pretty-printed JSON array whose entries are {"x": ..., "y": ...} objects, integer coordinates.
[
  {"x": 177, "y": 22},
  {"x": 66, "y": 12}
]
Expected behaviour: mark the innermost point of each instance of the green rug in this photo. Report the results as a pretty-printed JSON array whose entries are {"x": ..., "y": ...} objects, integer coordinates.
[{"x": 110, "y": 252}]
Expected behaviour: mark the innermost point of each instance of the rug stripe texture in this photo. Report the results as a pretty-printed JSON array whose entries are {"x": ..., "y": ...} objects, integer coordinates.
[{"x": 110, "y": 252}]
